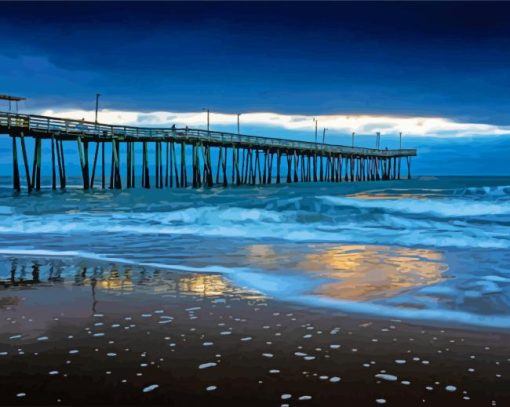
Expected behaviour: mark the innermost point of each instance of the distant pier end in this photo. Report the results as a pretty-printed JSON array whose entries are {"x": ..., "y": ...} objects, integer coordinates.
[{"x": 184, "y": 157}]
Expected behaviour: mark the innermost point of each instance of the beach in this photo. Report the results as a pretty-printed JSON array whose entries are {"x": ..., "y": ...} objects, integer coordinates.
[
  {"x": 193, "y": 340},
  {"x": 390, "y": 294}
]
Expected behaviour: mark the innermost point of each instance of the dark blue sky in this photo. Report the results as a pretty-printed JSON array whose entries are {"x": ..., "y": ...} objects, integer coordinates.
[{"x": 444, "y": 59}]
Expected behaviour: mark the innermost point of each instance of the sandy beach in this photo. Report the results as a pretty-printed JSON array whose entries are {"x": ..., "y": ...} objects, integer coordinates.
[{"x": 142, "y": 336}]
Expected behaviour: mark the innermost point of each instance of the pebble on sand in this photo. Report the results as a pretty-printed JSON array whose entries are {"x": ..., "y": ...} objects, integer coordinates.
[
  {"x": 206, "y": 365},
  {"x": 150, "y": 388}
]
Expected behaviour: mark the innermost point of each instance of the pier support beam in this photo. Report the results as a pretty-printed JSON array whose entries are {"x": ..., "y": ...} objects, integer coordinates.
[
  {"x": 15, "y": 169},
  {"x": 184, "y": 181},
  {"x": 145, "y": 168},
  {"x": 25, "y": 162},
  {"x": 83, "y": 153},
  {"x": 53, "y": 169},
  {"x": 94, "y": 164},
  {"x": 60, "y": 165}
]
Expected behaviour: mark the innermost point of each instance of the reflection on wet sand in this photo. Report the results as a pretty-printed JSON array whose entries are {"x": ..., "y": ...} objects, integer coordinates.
[
  {"x": 359, "y": 272},
  {"x": 117, "y": 279},
  {"x": 20, "y": 275}
]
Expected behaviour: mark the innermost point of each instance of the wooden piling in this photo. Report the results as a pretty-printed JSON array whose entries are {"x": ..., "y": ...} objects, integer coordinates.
[
  {"x": 224, "y": 167},
  {"x": 176, "y": 171},
  {"x": 59, "y": 163},
  {"x": 94, "y": 165},
  {"x": 53, "y": 169},
  {"x": 15, "y": 169},
  {"x": 62, "y": 154},
  {"x": 145, "y": 168},
  {"x": 184, "y": 182},
  {"x": 167, "y": 163},
  {"x": 156, "y": 162},
  {"x": 128, "y": 165},
  {"x": 82, "y": 163},
  {"x": 103, "y": 169},
  {"x": 289, "y": 168}
]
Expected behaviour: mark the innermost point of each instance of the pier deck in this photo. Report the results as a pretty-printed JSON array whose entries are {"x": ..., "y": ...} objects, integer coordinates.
[{"x": 252, "y": 157}]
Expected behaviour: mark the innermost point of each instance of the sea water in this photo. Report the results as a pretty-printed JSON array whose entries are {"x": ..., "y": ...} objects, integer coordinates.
[{"x": 434, "y": 249}]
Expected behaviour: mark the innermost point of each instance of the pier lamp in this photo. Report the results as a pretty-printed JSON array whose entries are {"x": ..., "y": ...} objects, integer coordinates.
[
  {"x": 323, "y": 135},
  {"x": 208, "y": 113},
  {"x": 238, "y": 124},
  {"x": 378, "y": 140},
  {"x": 316, "y": 123},
  {"x": 400, "y": 141},
  {"x": 97, "y": 104},
  {"x": 353, "y": 133}
]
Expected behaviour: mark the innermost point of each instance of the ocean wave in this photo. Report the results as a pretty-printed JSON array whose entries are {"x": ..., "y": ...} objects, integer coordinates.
[
  {"x": 446, "y": 316},
  {"x": 494, "y": 191},
  {"x": 297, "y": 226},
  {"x": 450, "y": 208}
]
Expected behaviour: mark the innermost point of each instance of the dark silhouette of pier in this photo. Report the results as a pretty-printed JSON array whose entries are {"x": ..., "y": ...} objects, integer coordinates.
[{"x": 185, "y": 157}]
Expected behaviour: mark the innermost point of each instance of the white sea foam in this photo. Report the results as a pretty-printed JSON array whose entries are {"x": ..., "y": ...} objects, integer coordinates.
[
  {"x": 451, "y": 208},
  {"x": 394, "y": 225}
]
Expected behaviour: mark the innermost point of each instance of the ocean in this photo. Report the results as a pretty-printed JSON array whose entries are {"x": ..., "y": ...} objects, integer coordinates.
[{"x": 430, "y": 249}]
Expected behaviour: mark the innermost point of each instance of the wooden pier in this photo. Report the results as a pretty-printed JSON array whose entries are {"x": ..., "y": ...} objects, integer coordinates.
[{"x": 184, "y": 157}]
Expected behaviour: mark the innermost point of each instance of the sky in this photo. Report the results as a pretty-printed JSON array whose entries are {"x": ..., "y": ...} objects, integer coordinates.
[{"x": 438, "y": 72}]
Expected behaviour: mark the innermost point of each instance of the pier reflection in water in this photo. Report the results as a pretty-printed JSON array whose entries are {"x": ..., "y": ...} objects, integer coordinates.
[{"x": 113, "y": 279}]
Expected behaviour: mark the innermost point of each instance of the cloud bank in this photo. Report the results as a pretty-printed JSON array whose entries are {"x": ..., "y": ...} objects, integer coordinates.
[{"x": 360, "y": 124}]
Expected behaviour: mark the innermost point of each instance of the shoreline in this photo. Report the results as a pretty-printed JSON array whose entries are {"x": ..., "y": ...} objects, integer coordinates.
[
  {"x": 308, "y": 300},
  {"x": 318, "y": 353}
]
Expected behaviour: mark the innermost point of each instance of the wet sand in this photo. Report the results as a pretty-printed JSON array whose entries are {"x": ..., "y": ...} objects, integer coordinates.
[{"x": 120, "y": 335}]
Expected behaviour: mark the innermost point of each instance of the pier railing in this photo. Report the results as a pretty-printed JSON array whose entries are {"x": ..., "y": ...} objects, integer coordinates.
[{"x": 46, "y": 127}]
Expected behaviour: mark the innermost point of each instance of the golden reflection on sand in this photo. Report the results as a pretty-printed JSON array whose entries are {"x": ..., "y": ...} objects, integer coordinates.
[
  {"x": 213, "y": 285},
  {"x": 115, "y": 280},
  {"x": 359, "y": 272},
  {"x": 206, "y": 285}
]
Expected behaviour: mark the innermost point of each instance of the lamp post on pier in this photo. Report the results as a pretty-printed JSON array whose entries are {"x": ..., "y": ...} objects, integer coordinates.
[
  {"x": 323, "y": 135},
  {"x": 353, "y": 133},
  {"x": 238, "y": 123},
  {"x": 97, "y": 104},
  {"x": 316, "y": 123},
  {"x": 400, "y": 141},
  {"x": 208, "y": 113}
]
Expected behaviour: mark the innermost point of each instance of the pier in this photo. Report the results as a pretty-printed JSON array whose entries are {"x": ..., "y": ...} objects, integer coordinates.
[{"x": 185, "y": 157}]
